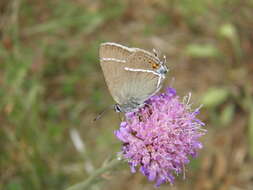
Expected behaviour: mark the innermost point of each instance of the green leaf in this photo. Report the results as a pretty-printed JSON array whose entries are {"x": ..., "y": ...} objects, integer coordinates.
[
  {"x": 228, "y": 31},
  {"x": 214, "y": 97},
  {"x": 227, "y": 114},
  {"x": 15, "y": 184},
  {"x": 201, "y": 50}
]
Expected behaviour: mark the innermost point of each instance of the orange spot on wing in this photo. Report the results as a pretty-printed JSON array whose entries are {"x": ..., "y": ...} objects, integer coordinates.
[{"x": 155, "y": 65}]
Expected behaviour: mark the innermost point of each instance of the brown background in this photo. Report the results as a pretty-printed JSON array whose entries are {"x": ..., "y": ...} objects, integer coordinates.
[{"x": 51, "y": 83}]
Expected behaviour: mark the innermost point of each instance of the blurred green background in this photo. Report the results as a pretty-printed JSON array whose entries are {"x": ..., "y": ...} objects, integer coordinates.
[{"x": 51, "y": 88}]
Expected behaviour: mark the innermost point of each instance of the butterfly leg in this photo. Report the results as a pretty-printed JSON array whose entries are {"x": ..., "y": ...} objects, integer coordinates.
[{"x": 121, "y": 117}]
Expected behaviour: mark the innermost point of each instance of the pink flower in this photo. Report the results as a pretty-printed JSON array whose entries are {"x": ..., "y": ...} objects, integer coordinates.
[{"x": 160, "y": 137}]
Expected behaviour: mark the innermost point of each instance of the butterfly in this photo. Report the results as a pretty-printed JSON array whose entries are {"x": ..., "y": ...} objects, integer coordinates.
[{"x": 132, "y": 75}]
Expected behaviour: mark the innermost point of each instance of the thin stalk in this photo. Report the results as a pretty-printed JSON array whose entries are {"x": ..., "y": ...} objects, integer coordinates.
[{"x": 89, "y": 181}]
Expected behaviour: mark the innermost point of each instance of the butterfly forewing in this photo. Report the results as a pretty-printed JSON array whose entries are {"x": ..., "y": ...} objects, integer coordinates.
[
  {"x": 112, "y": 60},
  {"x": 114, "y": 51},
  {"x": 113, "y": 72}
]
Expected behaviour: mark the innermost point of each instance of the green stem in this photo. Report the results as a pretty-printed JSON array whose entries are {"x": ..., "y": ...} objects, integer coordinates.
[{"x": 89, "y": 181}]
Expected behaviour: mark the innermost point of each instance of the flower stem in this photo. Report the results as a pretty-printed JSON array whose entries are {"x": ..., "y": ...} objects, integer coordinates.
[{"x": 89, "y": 181}]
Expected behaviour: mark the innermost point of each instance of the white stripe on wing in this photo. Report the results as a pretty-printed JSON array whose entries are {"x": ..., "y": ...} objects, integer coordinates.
[{"x": 113, "y": 59}]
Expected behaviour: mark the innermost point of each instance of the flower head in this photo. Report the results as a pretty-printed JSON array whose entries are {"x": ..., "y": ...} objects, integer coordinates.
[{"x": 160, "y": 137}]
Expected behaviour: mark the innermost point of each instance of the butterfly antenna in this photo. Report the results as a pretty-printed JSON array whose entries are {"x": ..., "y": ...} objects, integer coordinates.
[
  {"x": 165, "y": 59},
  {"x": 102, "y": 113},
  {"x": 155, "y": 52}
]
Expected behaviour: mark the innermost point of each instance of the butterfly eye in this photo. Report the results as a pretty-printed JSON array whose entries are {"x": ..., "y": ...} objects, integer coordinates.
[{"x": 155, "y": 65}]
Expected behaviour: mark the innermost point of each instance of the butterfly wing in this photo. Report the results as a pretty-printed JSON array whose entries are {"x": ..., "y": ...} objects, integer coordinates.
[
  {"x": 124, "y": 85},
  {"x": 114, "y": 51},
  {"x": 142, "y": 80},
  {"x": 112, "y": 60}
]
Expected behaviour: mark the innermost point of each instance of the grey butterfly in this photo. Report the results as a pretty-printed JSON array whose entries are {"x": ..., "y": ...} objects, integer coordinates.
[{"x": 132, "y": 75}]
